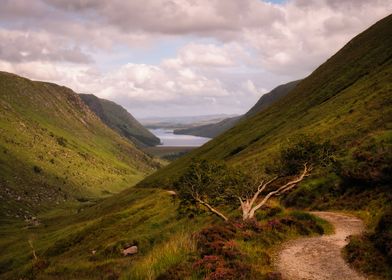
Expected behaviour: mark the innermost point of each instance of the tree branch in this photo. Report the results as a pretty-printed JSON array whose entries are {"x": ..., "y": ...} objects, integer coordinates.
[
  {"x": 282, "y": 189},
  {"x": 212, "y": 209},
  {"x": 261, "y": 188}
]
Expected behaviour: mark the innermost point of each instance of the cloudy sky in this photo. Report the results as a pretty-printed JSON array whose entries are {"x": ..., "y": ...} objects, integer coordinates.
[{"x": 177, "y": 57}]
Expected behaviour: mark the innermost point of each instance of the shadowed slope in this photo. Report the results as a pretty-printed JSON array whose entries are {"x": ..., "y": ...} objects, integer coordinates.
[{"x": 117, "y": 118}]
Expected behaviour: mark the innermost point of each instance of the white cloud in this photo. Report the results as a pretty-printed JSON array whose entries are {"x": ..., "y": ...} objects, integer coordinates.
[{"x": 234, "y": 50}]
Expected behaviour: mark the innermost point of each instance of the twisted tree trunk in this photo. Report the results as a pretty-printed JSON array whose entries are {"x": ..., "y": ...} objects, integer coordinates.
[{"x": 248, "y": 210}]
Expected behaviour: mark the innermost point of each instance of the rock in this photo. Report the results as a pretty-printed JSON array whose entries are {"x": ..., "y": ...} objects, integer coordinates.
[
  {"x": 172, "y": 193},
  {"x": 130, "y": 251}
]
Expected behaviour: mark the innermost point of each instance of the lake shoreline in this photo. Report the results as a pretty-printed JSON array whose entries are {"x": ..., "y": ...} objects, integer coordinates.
[{"x": 169, "y": 139}]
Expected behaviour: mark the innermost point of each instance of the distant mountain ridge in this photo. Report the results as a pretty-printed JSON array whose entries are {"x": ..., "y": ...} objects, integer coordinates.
[
  {"x": 209, "y": 130},
  {"x": 215, "y": 129},
  {"x": 119, "y": 119}
]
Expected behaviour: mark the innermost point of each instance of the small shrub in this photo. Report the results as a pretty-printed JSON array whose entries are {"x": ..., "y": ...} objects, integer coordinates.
[
  {"x": 269, "y": 213},
  {"x": 37, "y": 169},
  {"x": 236, "y": 150},
  {"x": 369, "y": 164},
  {"x": 212, "y": 239},
  {"x": 383, "y": 235},
  {"x": 361, "y": 254},
  {"x": 301, "y": 150},
  {"x": 176, "y": 272},
  {"x": 220, "y": 256},
  {"x": 252, "y": 224},
  {"x": 61, "y": 141}
]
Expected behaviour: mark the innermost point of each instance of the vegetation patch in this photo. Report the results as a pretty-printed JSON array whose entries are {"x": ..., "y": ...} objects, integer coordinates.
[
  {"x": 243, "y": 249},
  {"x": 371, "y": 253}
]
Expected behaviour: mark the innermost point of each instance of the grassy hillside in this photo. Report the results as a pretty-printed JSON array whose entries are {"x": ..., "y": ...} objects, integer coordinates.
[
  {"x": 117, "y": 118},
  {"x": 66, "y": 240},
  {"x": 54, "y": 150},
  {"x": 269, "y": 98},
  {"x": 209, "y": 130},
  {"x": 215, "y": 129},
  {"x": 346, "y": 100}
]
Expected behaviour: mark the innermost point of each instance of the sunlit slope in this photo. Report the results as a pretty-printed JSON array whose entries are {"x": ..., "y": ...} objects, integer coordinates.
[
  {"x": 346, "y": 99},
  {"x": 54, "y": 149},
  {"x": 215, "y": 129},
  {"x": 269, "y": 98}
]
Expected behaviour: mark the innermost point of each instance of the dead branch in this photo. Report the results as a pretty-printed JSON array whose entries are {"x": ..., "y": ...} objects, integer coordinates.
[
  {"x": 212, "y": 209},
  {"x": 247, "y": 206}
]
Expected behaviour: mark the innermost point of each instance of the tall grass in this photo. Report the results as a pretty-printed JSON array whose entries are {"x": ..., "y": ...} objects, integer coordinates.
[{"x": 162, "y": 257}]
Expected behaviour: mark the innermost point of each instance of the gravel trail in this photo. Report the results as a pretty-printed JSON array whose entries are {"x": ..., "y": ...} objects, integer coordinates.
[{"x": 320, "y": 257}]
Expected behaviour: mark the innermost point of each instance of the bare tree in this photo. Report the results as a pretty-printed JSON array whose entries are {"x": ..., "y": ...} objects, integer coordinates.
[
  {"x": 211, "y": 185},
  {"x": 250, "y": 203}
]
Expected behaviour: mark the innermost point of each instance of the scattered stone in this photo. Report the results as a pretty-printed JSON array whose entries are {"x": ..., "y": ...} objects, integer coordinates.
[
  {"x": 172, "y": 193},
  {"x": 130, "y": 251}
]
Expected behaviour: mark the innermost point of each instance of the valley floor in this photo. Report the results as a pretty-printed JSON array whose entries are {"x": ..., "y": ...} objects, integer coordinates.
[{"x": 320, "y": 257}]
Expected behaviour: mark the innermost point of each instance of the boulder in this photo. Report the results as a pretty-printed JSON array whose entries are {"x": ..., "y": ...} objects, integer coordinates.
[
  {"x": 173, "y": 193},
  {"x": 130, "y": 251}
]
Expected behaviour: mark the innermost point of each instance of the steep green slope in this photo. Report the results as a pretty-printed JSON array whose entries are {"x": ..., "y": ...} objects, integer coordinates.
[
  {"x": 345, "y": 100},
  {"x": 53, "y": 149},
  {"x": 215, "y": 129},
  {"x": 209, "y": 130},
  {"x": 117, "y": 118},
  {"x": 269, "y": 98}
]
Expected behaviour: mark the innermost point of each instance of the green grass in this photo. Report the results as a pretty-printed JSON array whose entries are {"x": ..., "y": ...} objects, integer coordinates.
[
  {"x": 53, "y": 150},
  {"x": 162, "y": 257},
  {"x": 66, "y": 240}
]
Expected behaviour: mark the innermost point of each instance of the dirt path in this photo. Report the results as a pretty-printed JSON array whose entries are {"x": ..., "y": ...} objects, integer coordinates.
[{"x": 320, "y": 257}]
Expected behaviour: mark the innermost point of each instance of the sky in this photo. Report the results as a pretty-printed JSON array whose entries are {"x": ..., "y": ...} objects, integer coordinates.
[{"x": 177, "y": 57}]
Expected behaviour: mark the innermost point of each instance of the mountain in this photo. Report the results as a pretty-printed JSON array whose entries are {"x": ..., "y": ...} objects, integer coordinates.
[
  {"x": 269, "y": 98},
  {"x": 215, "y": 129},
  {"x": 55, "y": 150},
  {"x": 183, "y": 121},
  {"x": 346, "y": 100},
  {"x": 118, "y": 118},
  {"x": 209, "y": 130}
]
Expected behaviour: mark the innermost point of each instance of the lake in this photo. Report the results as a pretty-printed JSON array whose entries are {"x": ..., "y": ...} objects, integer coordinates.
[{"x": 169, "y": 139}]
